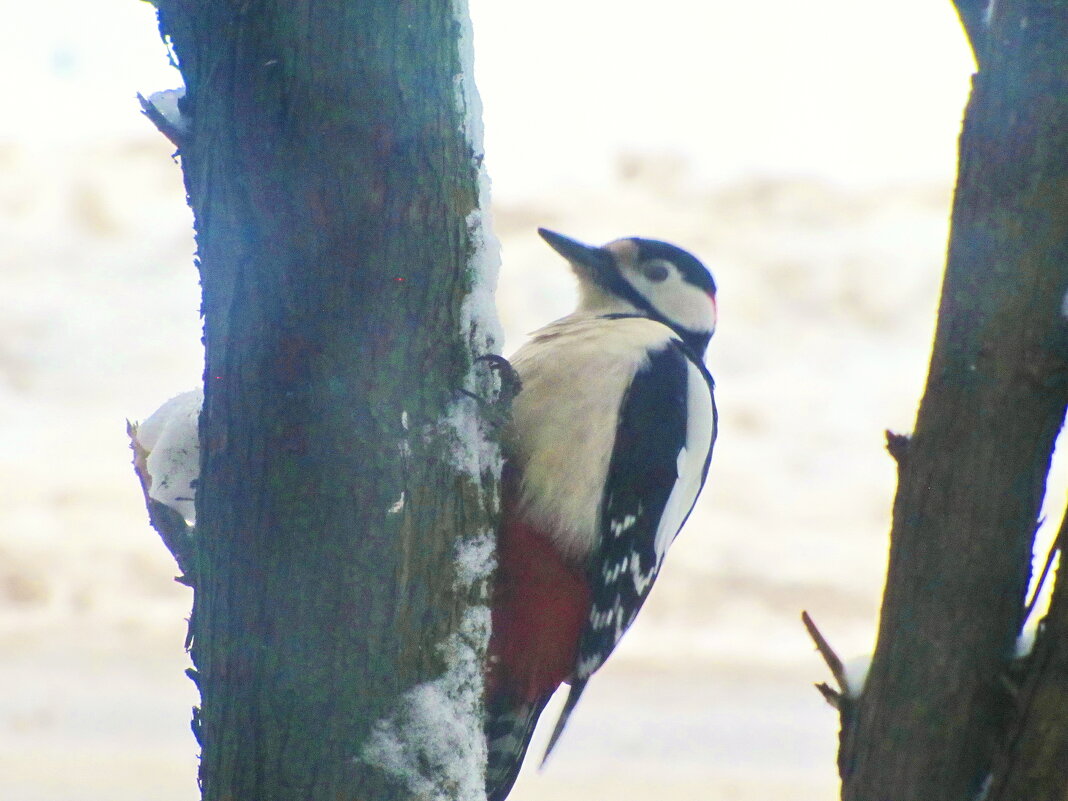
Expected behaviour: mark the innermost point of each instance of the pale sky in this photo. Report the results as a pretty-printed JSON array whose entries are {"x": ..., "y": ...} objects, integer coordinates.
[{"x": 848, "y": 90}]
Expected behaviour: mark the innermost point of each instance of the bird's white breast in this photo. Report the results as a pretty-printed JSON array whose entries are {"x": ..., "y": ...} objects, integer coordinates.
[
  {"x": 691, "y": 462},
  {"x": 575, "y": 374}
]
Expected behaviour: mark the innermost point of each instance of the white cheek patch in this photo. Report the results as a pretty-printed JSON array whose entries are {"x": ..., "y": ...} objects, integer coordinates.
[
  {"x": 678, "y": 301},
  {"x": 695, "y": 309},
  {"x": 686, "y": 305}
]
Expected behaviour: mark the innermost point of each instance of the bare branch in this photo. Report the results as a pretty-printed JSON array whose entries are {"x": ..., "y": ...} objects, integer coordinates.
[
  {"x": 898, "y": 446},
  {"x": 829, "y": 657},
  {"x": 830, "y": 695}
]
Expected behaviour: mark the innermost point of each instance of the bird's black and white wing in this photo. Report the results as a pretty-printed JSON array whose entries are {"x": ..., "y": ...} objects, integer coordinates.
[{"x": 663, "y": 445}]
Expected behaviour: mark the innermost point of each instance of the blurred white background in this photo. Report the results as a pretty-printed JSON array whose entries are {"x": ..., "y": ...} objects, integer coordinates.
[{"x": 805, "y": 151}]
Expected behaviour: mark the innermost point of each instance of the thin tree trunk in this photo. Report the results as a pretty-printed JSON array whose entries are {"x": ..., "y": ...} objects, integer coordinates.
[
  {"x": 971, "y": 480},
  {"x": 346, "y": 495},
  {"x": 1032, "y": 761}
]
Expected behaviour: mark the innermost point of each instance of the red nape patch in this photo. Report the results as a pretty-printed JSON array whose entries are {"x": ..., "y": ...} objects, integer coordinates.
[{"x": 540, "y": 606}]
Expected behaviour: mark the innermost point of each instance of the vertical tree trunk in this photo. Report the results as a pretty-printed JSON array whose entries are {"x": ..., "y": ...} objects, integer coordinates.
[
  {"x": 972, "y": 479},
  {"x": 346, "y": 496},
  {"x": 1032, "y": 760}
]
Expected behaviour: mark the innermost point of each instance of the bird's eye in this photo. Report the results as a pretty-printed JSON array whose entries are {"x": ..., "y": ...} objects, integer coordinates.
[{"x": 655, "y": 271}]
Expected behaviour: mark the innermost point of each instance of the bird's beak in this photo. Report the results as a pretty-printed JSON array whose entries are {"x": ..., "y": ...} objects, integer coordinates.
[{"x": 598, "y": 263}]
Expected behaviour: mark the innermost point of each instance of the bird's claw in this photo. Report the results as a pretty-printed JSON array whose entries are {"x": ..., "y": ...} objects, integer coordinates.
[{"x": 497, "y": 407}]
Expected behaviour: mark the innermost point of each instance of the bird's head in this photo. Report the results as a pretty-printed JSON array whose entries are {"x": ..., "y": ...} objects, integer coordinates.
[{"x": 647, "y": 277}]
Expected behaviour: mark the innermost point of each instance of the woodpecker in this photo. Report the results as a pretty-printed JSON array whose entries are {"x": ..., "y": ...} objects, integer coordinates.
[{"x": 606, "y": 452}]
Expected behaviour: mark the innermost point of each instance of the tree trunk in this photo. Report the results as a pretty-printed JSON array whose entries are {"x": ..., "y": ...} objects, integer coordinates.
[
  {"x": 348, "y": 485},
  {"x": 1032, "y": 762},
  {"x": 971, "y": 481}
]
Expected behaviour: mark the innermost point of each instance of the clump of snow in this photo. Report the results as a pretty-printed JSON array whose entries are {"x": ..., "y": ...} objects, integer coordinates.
[
  {"x": 398, "y": 506},
  {"x": 433, "y": 741},
  {"x": 856, "y": 674},
  {"x": 166, "y": 103},
  {"x": 467, "y": 444},
  {"x": 475, "y": 559},
  {"x": 478, "y": 314},
  {"x": 171, "y": 438}
]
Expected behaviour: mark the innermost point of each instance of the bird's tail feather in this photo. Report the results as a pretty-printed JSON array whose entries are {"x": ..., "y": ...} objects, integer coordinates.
[
  {"x": 577, "y": 686},
  {"x": 509, "y": 727}
]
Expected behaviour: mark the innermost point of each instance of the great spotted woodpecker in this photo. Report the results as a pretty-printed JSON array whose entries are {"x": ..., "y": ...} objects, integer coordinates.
[{"x": 606, "y": 453}]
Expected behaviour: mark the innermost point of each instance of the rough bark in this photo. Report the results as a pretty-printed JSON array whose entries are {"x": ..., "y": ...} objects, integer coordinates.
[
  {"x": 331, "y": 184},
  {"x": 933, "y": 712}
]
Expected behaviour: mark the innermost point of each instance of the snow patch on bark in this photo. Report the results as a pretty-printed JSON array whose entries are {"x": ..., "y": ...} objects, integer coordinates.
[
  {"x": 468, "y": 444},
  {"x": 467, "y": 98},
  {"x": 478, "y": 313},
  {"x": 433, "y": 741},
  {"x": 475, "y": 560},
  {"x": 479, "y": 310},
  {"x": 471, "y": 443}
]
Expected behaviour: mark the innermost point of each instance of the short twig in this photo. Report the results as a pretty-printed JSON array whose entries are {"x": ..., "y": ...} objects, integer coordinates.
[
  {"x": 898, "y": 446},
  {"x": 830, "y": 695},
  {"x": 833, "y": 662}
]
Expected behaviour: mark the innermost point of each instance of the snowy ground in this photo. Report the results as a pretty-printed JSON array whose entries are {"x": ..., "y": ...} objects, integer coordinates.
[{"x": 826, "y": 296}]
